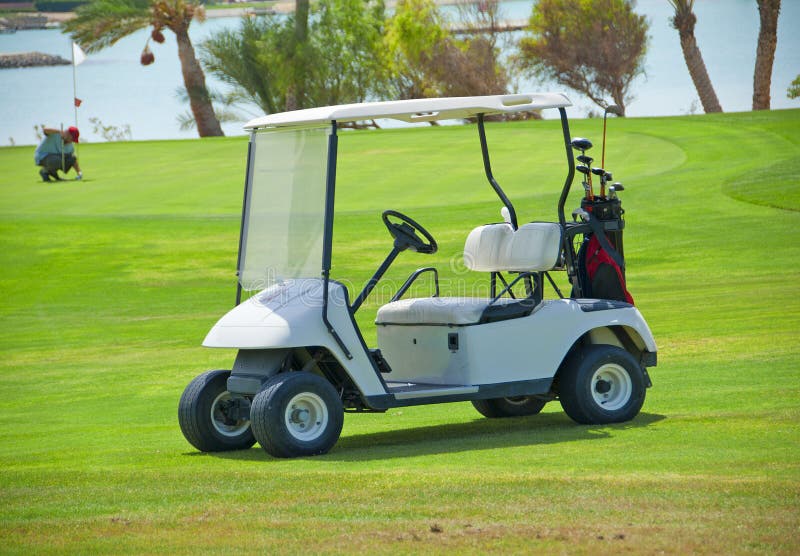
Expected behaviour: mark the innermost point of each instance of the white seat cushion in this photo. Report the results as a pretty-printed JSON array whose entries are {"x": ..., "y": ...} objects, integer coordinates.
[
  {"x": 486, "y": 246},
  {"x": 497, "y": 247},
  {"x": 436, "y": 310}
]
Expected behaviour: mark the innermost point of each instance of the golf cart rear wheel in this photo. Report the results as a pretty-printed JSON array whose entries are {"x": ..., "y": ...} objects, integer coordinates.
[
  {"x": 518, "y": 406},
  {"x": 204, "y": 418},
  {"x": 602, "y": 384},
  {"x": 297, "y": 414}
]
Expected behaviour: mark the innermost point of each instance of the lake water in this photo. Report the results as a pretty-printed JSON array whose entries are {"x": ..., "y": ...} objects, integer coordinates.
[{"x": 116, "y": 89}]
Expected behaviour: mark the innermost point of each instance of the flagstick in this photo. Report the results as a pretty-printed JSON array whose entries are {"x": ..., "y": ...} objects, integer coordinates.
[{"x": 74, "y": 92}]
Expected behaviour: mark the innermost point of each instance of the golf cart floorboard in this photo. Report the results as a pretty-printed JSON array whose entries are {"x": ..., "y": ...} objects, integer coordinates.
[{"x": 408, "y": 390}]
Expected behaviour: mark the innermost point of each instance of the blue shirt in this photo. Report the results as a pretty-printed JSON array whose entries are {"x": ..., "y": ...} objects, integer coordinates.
[{"x": 52, "y": 144}]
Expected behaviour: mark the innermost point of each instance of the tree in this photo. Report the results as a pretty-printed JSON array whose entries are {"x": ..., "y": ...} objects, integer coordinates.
[
  {"x": 794, "y": 89},
  {"x": 337, "y": 58},
  {"x": 239, "y": 58},
  {"x": 300, "y": 60},
  {"x": 425, "y": 60},
  {"x": 684, "y": 21},
  {"x": 482, "y": 46},
  {"x": 350, "y": 63},
  {"x": 414, "y": 32},
  {"x": 768, "y": 11},
  {"x": 466, "y": 68},
  {"x": 101, "y": 23},
  {"x": 596, "y": 47}
]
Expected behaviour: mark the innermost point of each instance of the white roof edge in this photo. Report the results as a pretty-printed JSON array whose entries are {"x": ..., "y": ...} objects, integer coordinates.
[{"x": 415, "y": 110}]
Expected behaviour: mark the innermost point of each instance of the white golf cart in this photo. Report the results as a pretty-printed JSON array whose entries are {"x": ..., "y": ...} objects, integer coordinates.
[{"x": 301, "y": 358}]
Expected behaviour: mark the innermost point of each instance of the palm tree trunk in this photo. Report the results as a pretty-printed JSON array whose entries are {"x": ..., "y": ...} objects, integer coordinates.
[
  {"x": 765, "y": 54},
  {"x": 684, "y": 21},
  {"x": 195, "y": 82},
  {"x": 699, "y": 73},
  {"x": 301, "y": 20},
  {"x": 295, "y": 94}
]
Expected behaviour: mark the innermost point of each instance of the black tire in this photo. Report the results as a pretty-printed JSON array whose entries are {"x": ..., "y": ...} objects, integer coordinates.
[
  {"x": 202, "y": 417},
  {"x": 518, "y": 406},
  {"x": 297, "y": 414},
  {"x": 601, "y": 384}
]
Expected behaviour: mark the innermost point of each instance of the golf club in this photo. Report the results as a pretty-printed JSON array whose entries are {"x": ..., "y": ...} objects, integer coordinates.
[
  {"x": 587, "y": 182},
  {"x": 581, "y": 144},
  {"x": 614, "y": 109},
  {"x": 605, "y": 177}
]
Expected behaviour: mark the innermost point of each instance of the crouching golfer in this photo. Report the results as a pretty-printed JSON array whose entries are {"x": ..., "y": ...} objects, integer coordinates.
[{"x": 57, "y": 152}]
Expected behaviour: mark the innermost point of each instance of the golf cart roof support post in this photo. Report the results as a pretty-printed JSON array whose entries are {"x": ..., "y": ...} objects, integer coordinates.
[
  {"x": 569, "y": 250},
  {"x": 327, "y": 238},
  {"x": 247, "y": 179},
  {"x": 487, "y": 166},
  {"x": 571, "y": 168}
]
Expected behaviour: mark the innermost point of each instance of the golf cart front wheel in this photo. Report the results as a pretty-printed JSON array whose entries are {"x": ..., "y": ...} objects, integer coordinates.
[
  {"x": 518, "y": 406},
  {"x": 297, "y": 414},
  {"x": 206, "y": 415},
  {"x": 602, "y": 384}
]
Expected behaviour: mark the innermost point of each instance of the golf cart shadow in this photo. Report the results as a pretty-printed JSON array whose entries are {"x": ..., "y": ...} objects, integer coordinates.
[{"x": 480, "y": 434}]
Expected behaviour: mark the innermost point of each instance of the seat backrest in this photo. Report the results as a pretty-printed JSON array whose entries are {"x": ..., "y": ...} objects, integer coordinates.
[{"x": 497, "y": 247}]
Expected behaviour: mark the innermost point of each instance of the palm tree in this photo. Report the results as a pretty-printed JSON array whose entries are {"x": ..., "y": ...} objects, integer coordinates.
[
  {"x": 684, "y": 21},
  {"x": 101, "y": 23},
  {"x": 765, "y": 53},
  {"x": 295, "y": 94},
  {"x": 250, "y": 60}
]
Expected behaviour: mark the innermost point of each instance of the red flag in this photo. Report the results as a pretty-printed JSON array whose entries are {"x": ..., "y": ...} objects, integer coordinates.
[{"x": 77, "y": 102}]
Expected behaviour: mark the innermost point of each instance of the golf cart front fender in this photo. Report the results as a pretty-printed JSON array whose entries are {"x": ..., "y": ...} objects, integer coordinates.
[
  {"x": 289, "y": 315},
  {"x": 284, "y": 315}
]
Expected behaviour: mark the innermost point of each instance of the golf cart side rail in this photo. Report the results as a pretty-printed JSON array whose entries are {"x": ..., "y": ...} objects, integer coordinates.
[{"x": 414, "y": 110}]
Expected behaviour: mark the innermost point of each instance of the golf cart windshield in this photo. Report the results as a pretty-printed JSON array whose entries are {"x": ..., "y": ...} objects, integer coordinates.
[
  {"x": 287, "y": 224},
  {"x": 283, "y": 224}
]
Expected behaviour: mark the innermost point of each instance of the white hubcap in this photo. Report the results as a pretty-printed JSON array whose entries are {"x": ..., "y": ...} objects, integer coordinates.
[
  {"x": 611, "y": 387},
  {"x": 306, "y": 416},
  {"x": 218, "y": 418}
]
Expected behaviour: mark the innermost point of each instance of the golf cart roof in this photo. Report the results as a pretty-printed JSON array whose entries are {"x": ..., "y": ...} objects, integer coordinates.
[{"x": 414, "y": 110}]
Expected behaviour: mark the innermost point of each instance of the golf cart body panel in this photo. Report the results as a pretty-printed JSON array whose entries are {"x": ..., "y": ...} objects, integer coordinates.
[
  {"x": 288, "y": 315},
  {"x": 525, "y": 348}
]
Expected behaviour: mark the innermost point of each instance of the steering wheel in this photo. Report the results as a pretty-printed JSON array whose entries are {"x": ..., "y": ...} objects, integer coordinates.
[{"x": 405, "y": 233}]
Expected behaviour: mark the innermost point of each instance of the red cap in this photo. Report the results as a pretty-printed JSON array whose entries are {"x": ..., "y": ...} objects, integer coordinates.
[{"x": 75, "y": 133}]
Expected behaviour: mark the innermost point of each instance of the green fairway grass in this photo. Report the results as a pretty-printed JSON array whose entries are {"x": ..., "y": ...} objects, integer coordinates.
[{"x": 108, "y": 287}]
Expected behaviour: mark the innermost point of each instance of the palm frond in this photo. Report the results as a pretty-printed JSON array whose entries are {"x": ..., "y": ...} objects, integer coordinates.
[
  {"x": 101, "y": 23},
  {"x": 186, "y": 120}
]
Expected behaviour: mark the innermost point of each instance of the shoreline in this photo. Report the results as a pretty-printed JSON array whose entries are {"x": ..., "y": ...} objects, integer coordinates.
[{"x": 31, "y": 60}]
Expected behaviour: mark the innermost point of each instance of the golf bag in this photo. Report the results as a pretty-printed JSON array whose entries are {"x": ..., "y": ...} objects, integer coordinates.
[{"x": 601, "y": 262}]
